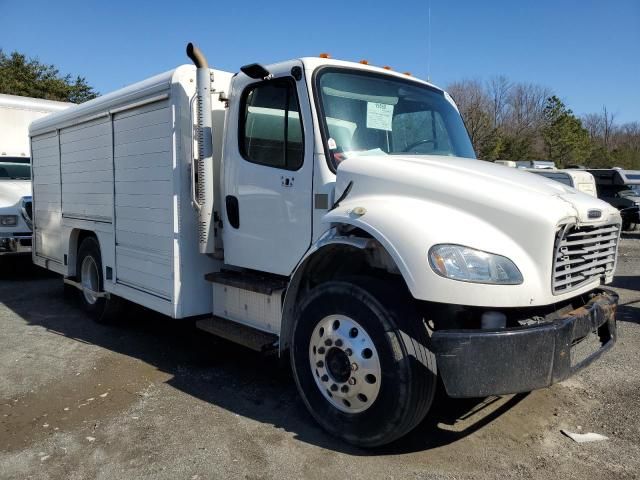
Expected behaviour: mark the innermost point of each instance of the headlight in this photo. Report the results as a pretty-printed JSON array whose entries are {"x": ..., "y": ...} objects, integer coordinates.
[
  {"x": 8, "y": 220},
  {"x": 469, "y": 265}
]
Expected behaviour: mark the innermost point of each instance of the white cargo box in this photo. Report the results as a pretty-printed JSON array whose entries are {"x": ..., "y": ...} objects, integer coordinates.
[{"x": 120, "y": 166}]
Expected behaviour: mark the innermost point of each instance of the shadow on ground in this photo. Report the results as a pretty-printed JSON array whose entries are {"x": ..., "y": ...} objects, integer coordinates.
[{"x": 224, "y": 374}]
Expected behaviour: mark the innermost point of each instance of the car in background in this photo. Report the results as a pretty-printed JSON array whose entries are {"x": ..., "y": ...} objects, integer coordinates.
[{"x": 620, "y": 188}]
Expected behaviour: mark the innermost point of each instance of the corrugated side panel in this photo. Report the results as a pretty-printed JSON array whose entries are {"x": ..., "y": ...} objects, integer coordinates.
[
  {"x": 87, "y": 170},
  {"x": 47, "y": 198},
  {"x": 143, "y": 198}
]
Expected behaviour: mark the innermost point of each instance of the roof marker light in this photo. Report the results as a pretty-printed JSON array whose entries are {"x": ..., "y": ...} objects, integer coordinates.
[
  {"x": 364, "y": 62},
  {"x": 408, "y": 74},
  {"x": 387, "y": 67},
  {"x": 324, "y": 55}
]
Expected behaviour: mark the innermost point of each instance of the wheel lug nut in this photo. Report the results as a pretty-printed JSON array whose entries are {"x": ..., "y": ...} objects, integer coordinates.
[
  {"x": 320, "y": 364},
  {"x": 354, "y": 366},
  {"x": 334, "y": 388},
  {"x": 349, "y": 352},
  {"x": 344, "y": 389},
  {"x": 352, "y": 381},
  {"x": 338, "y": 343},
  {"x": 324, "y": 378},
  {"x": 328, "y": 342}
]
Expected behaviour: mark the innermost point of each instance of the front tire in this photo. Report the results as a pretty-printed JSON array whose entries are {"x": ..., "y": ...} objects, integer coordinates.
[{"x": 361, "y": 361}]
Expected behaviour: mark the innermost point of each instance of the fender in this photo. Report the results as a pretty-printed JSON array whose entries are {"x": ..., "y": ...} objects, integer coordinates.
[
  {"x": 407, "y": 227},
  {"x": 330, "y": 238}
]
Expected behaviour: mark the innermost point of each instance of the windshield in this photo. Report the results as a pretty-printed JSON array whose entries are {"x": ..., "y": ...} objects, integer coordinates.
[
  {"x": 15, "y": 168},
  {"x": 376, "y": 114}
]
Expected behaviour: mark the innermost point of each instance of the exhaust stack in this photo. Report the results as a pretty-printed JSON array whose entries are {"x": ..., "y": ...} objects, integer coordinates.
[{"x": 204, "y": 162}]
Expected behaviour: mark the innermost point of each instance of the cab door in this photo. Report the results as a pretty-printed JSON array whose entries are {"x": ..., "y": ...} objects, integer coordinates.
[{"x": 268, "y": 171}]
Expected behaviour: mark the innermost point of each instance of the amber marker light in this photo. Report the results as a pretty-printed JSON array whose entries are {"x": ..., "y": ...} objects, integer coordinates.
[
  {"x": 439, "y": 264},
  {"x": 324, "y": 55},
  {"x": 387, "y": 67},
  {"x": 364, "y": 62}
]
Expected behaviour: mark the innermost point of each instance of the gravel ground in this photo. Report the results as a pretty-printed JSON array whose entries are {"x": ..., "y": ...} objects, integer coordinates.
[{"x": 153, "y": 398}]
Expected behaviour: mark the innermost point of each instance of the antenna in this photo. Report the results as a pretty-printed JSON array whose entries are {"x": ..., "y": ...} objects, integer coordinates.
[{"x": 429, "y": 45}]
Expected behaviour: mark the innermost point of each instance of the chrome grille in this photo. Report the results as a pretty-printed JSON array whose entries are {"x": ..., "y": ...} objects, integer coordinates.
[{"x": 582, "y": 254}]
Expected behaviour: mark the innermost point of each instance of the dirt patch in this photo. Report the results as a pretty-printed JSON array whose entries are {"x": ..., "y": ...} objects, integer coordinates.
[{"x": 81, "y": 400}]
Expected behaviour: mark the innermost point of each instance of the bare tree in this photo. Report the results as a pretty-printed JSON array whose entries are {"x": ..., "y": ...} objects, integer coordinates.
[
  {"x": 607, "y": 124},
  {"x": 593, "y": 123},
  {"x": 474, "y": 105},
  {"x": 525, "y": 108},
  {"x": 498, "y": 91}
]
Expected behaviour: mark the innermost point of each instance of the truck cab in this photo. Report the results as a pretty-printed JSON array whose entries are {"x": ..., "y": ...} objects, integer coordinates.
[
  {"x": 334, "y": 213},
  {"x": 15, "y": 169}
]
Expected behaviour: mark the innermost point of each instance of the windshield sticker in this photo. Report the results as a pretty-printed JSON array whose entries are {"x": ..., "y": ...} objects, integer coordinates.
[
  {"x": 332, "y": 144},
  {"x": 379, "y": 116}
]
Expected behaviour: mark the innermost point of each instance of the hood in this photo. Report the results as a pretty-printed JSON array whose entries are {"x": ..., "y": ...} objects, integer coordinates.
[
  {"x": 11, "y": 191},
  {"x": 482, "y": 188}
]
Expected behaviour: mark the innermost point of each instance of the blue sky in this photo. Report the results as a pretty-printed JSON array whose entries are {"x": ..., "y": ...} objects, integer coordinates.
[{"x": 588, "y": 52}]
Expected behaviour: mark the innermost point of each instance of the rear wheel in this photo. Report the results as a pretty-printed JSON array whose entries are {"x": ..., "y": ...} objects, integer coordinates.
[
  {"x": 361, "y": 361},
  {"x": 89, "y": 275}
]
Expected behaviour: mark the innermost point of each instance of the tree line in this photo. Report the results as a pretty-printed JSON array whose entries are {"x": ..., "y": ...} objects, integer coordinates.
[{"x": 510, "y": 120}]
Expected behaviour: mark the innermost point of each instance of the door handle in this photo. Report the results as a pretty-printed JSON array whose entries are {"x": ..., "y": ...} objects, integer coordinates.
[
  {"x": 233, "y": 211},
  {"x": 287, "y": 181}
]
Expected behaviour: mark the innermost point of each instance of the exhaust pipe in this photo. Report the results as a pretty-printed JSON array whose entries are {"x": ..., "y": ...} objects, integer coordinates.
[{"x": 205, "y": 180}]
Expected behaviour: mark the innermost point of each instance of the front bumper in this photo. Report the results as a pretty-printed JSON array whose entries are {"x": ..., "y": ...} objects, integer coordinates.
[
  {"x": 14, "y": 244},
  {"x": 478, "y": 363}
]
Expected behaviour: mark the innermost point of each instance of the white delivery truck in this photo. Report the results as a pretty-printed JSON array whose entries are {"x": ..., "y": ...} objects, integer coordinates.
[
  {"x": 578, "y": 179},
  {"x": 16, "y": 113},
  {"x": 323, "y": 209}
]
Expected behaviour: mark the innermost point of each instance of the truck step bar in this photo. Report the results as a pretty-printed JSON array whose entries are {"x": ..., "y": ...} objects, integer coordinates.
[
  {"x": 235, "y": 332},
  {"x": 254, "y": 282}
]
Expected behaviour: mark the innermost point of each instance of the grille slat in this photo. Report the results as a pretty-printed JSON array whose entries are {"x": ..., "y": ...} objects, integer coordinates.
[
  {"x": 582, "y": 255},
  {"x": 587, "y": 241},
  {"x": 599, "y": 231}
]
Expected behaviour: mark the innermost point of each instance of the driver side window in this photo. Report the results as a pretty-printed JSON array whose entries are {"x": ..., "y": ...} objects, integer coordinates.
[{"x": 270, "y": 127}]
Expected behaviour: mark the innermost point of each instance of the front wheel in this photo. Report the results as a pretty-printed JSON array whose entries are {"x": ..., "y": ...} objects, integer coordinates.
[{"x": 361, "y": 361}]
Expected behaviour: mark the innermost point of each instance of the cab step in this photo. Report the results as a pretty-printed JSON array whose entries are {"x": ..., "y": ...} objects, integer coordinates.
[
  {"x": 242, "y": 334},
  {"x": 251, "y": 281}
]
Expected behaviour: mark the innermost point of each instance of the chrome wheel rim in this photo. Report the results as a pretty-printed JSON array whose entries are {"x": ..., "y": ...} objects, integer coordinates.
[
  {"x": 89, "y": 278},
  {"x": 345, "y": 364}
]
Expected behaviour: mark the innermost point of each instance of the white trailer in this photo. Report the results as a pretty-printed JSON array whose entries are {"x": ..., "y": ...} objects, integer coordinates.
[
  {"x": 16, "y": 113},
  {"x": 334, "y": 212}
]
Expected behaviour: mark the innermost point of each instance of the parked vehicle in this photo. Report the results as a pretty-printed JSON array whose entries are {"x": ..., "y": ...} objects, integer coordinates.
[
  {"x": 506, "y": 163},
  {"x": 618, "y": 187},
  {"x": 543, "y": 164},
  {"x": 577, "y": 179},
  {"x": 333, "y": 212},
  {"x": 15, "y": 172}
]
